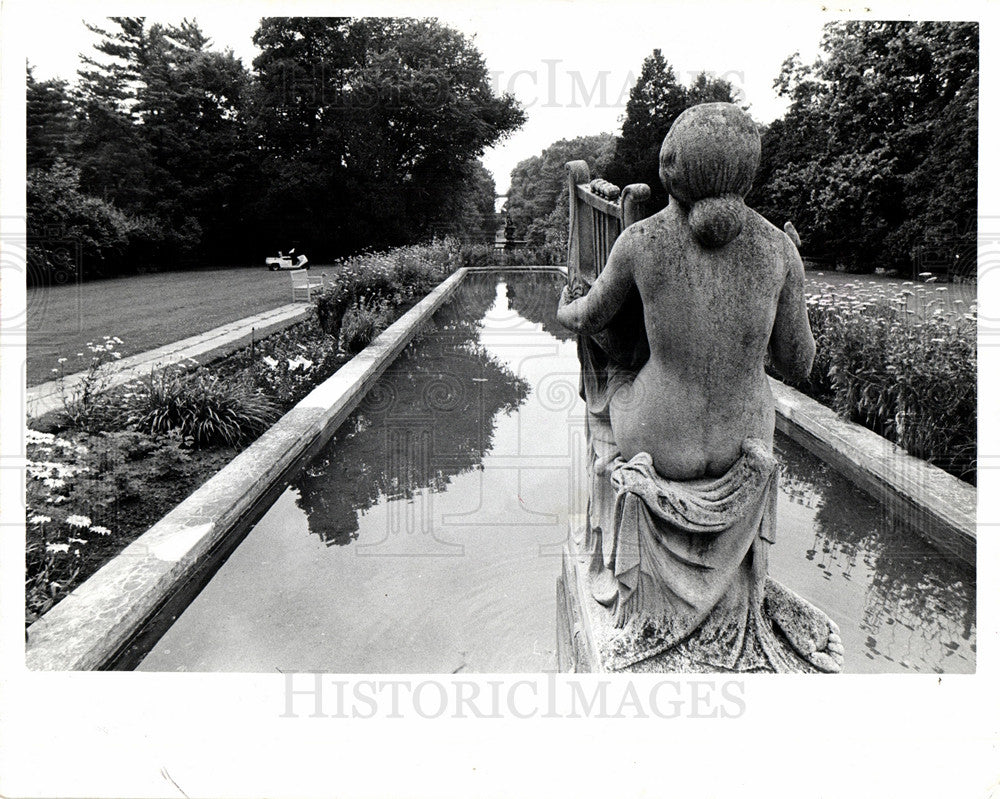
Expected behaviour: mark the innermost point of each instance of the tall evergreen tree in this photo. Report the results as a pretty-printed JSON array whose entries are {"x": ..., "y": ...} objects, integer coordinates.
[
  {"x": 49, "y": 122},
  {"x": 163, "y": 133},
  {"x": 655, "y": 101},
  {"x": 111, "y": 153}
]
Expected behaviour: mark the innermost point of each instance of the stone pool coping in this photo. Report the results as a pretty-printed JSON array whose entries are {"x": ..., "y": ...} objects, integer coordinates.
[
  {"x": 91, "y": 625},
  {"x": 88, "y": 628},
  {"x": 939, "y": 505}
]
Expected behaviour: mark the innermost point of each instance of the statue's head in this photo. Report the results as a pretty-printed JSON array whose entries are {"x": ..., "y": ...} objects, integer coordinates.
[{"x": 707, "y": 162}]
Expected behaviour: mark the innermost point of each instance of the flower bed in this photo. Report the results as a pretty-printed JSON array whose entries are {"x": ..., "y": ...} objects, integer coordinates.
[
  {"x": 115, "y": 461},
  {"x": 903, "y": 366}
]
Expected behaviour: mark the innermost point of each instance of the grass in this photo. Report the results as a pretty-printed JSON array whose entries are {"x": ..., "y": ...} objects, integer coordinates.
[
  {"x": 872, "y": 287},
  {"x": 148, "y": 311},
  {"x": 145, "y": 311}
]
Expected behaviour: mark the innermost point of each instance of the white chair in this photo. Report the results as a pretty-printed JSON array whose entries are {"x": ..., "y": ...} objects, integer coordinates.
[{"x": 304, "y": 287}]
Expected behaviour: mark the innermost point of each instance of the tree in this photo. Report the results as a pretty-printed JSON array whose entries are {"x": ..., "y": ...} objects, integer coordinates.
[
  {"x": 876, "y": 158},
  {"x": 191, "y": 107},
  {"x": 155, "y": 130},
  {"x": 111, "y": 153},
  {"x": 69, "y": 231},
  {"x": 656, "y": 100},
  {"x": 469, "y": 214},
  {"x": 49, "y": 122},
  {"x": 536, "y": 201},
  {"x": 352, "y": 133},
  {"x": 369, "y": 127}
]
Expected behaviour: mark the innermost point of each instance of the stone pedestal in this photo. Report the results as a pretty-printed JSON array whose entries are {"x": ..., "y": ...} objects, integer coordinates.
[{"x": 588, "y": 641}]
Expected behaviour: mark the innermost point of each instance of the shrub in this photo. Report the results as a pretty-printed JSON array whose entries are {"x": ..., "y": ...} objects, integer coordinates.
[
  {"x": 87, "y": 230},
  {"x": 908, "y": 373},
  {"x": 487, "y": 255},
  {"x": 362, "y": 323},
  {"x": 375, "y": 282},
  {"x": 287, "y": 365},
  {"x": 201, "y": 406}
]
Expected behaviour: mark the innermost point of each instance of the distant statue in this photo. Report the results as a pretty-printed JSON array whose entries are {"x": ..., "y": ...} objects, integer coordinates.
[
  {"x": 508, "y": 233},
  {"x": 681, "y": 418}
]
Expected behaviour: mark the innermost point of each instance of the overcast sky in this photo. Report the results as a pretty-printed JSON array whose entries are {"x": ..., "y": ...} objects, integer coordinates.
[{"x": 571, "y": 69}]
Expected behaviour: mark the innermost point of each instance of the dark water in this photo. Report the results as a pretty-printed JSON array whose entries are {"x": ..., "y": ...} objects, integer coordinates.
[{"x": 426, "y": 537}]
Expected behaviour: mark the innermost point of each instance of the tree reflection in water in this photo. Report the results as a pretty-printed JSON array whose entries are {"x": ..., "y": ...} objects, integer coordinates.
[
  {"x": 530, "y": 295},
  {"x": 919, "y": 604},
  {"x": 430, "y": 417}
]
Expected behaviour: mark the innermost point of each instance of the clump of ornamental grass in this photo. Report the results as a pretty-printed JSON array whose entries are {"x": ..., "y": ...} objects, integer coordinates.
[{"x": 202, "y": 407}]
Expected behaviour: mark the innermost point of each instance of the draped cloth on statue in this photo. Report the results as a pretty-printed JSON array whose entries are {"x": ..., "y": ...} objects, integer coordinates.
[
  {"x": 683, "y": 563},
  {"x": 679, "y": 567},
  {"x": 676, "y": 546}
]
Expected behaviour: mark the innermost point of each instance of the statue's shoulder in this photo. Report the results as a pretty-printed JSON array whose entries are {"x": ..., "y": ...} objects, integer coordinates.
[
  {"x": 649, "y": 229},
  {"x": 763, "y": 233},
  {"x": 759, "y": 225}
]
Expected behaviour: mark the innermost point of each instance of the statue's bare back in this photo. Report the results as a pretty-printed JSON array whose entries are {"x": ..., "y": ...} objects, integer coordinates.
[
  {"x": 676, "y": 564},
  {"x": 709, "y": 316},
  {"x": 712, "y": 312}
]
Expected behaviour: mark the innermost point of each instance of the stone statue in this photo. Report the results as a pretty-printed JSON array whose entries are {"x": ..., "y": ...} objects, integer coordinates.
[{"x": 681, "y": 420}]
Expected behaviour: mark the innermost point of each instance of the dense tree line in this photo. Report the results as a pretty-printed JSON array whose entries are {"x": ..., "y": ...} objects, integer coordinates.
[
  {"x": 875, "y": 160},
  {"x": 537, "y": 201},
  {"x": 347, "y": 133}
]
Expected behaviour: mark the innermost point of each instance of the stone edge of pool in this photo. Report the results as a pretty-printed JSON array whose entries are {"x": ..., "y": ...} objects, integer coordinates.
[
  {"x": 91, "y": 625},
  {"x": 929, "y": 499}
]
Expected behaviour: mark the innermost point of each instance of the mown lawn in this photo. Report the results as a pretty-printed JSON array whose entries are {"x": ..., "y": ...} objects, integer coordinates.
[{"x": 145, "y": 311}]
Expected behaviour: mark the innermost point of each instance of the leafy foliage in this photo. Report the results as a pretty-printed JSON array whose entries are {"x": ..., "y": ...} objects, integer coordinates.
[
  {"x": 67, "y": 228},
  {"x": 200, "y": 406},
  {"x": 373, "y": 284},
  {"x": 370, "y": 129},
  {"x": 480, "y": 255},
  {"x": 49, "y": 116},
  {"x": 876, "y": 158},
  {"x": 287, "y": 365},
  {"x": 904, "y": 367},
  {"x": 537, "y": 201},
  {"x": 349, "y": 133}
]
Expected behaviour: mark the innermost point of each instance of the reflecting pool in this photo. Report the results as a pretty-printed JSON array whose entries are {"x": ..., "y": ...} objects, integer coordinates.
[{"x": 426, "y": 536}]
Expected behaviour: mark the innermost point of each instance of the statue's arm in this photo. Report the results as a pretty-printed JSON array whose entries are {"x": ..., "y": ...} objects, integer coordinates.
[
  {"x": 594, "y": 311},
  {"x": 792, "y": 345}
]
